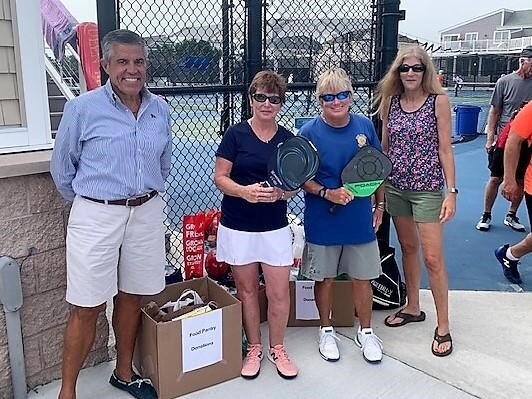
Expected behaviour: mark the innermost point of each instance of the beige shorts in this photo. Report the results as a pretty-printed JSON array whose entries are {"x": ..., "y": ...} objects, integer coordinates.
[
  {"x": 114, "y": 247},
  {"x": 361, "y": 261}
]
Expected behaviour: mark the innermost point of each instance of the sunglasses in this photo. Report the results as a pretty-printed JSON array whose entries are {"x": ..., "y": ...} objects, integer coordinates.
[
  {"x": 340, "y": 96},
  {"x": 259, "y": 97},
  {"x": 416, "y": 68}
]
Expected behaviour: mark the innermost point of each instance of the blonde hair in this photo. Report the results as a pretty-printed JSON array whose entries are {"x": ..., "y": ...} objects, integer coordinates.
[
  {"x": 333, "y": 80},
  {"x": 391, "y": 85}
]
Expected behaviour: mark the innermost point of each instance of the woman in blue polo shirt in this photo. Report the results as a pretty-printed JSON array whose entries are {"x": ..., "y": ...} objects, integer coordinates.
[
  {"x": 343, "y": 241},
  {"x": 254, "y": 227}
]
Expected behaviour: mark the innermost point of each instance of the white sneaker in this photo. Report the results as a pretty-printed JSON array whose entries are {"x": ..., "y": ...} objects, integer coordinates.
[
  {"x": 484, "y": 223},
  {"x": 369, "y": 344},
  {"x": 512, "y": 221},
  {"x": 327, "y": 344}
]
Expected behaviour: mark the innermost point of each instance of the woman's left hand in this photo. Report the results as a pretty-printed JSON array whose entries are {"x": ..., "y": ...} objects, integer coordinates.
[
  {"x": 377, "y": 218},
  {"x": 448, "y": 208}
]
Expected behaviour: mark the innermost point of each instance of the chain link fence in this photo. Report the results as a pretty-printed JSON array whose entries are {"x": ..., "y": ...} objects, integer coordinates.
[{"x": 197, "y": 61}]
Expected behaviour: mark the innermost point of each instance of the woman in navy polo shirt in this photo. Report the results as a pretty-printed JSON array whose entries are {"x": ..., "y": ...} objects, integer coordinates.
[{"x": 254, "y": 227}]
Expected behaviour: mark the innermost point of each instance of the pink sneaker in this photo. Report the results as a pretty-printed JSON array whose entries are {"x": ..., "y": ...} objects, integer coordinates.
[
  {"x": 285, "y": 367},
  {"x": 251, "y": 363}
]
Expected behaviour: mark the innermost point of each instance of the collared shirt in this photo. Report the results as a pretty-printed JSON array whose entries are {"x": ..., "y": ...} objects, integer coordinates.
[{"x": 102, "y": 151}]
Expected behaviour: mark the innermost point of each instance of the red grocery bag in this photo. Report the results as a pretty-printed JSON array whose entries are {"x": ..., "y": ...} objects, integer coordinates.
[
  {"x": 193, "y": 243},
  {"x": 194, "y": 236}
]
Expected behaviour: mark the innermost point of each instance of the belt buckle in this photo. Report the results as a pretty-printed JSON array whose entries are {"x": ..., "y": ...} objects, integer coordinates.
[{"x": 127, "y": 201}]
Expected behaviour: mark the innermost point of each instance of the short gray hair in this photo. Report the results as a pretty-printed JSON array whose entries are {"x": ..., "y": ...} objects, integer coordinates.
[{"x": 121, "y": 36}]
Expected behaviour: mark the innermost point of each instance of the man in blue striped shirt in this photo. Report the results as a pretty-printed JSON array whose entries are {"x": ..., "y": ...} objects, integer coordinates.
[{"x": 111, "y": 158}]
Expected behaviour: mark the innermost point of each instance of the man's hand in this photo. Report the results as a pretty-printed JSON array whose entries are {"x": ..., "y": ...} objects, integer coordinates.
[
  {"x": 490, "y": 144},
  {"x": 511, "y": 190}
]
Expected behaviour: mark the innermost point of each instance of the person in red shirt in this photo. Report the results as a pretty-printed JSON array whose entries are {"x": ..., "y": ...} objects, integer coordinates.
[{"x": 521, "y": 130}]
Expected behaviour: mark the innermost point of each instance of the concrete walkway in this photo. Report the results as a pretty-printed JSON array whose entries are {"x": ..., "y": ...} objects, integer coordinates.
[{"x": 491, "y": 359}]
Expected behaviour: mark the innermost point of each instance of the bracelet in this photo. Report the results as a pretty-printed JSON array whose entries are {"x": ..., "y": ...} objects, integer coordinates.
[{"x": 380, "y": 207}]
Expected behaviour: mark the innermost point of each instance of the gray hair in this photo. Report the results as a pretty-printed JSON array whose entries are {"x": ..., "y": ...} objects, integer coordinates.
[{"x": 121, "y": 36}]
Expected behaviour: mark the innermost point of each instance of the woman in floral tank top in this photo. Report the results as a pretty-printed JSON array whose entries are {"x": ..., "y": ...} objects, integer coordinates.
[{"x": 421, "y": 191}]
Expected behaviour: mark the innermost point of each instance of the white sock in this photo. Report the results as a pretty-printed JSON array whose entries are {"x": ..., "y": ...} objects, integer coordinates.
[{"x": 509, "y": 255}]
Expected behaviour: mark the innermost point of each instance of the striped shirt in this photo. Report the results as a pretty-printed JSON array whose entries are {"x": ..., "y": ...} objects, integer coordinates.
[{"x": 102, "y": 151}]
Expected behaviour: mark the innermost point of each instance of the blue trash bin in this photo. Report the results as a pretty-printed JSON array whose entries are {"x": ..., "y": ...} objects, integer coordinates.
[{"x": 466, "y": 122}]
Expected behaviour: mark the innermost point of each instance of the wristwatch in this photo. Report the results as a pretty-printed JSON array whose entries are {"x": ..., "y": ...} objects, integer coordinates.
[
  {"x": 452, "y": 190},
  {"x": 322, "y": 192}
]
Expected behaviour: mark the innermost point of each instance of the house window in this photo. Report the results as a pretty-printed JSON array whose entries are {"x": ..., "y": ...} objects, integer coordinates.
[
  {"x": 24, "y": 121},
  {"x": 501, "y": 35},
  {"x": 470, "y": 36},
  {"x": 450, "y": 38}
]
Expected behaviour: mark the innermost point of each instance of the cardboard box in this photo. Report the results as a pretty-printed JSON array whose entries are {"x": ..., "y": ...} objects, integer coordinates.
[
  {"x": 161, "y": 353},
  {"x": 342, "y": 307}
]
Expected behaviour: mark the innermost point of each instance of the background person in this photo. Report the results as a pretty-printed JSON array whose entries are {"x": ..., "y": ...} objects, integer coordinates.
[
  {"x": 115, "y": 234},
  {"x": 510, "y": 92},
  {"x": 254, "y": 228},
  {"x": 416, "y": 135},
  {"x": 521, "y": 130},
  {"x": 496, "y": 167},
  {"x": 343, "y": 241}
]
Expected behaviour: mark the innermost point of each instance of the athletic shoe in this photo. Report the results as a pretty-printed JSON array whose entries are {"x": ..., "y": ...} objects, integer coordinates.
[
  {"x": 484, "y": 222},
  {"x": 509, "y": 267},
  {"x": 138, "y": 387},
  {"x": 251, "y": 363},
  {"x": 512, "y": 221},
  {"x": 369, "y": 344},
  {"x": 286, "y": 368},
  {"x": 327, "y": 344}
]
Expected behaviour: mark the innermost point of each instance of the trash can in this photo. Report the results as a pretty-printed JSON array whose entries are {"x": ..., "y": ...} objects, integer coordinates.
[{"x": 466, "y": 122}]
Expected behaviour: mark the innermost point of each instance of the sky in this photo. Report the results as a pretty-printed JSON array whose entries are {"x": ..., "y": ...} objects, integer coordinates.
[{"x": 424, "y": 18}]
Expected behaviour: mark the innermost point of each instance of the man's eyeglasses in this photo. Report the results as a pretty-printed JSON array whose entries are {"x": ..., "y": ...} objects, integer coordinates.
[
  {"x": 340, "y": 96},
  {"x": 416, "y": 68},
  {"x": 259, "y": 97}
]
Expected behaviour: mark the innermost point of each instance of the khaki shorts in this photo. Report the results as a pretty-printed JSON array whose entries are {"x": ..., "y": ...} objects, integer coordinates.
[
  {"x": 424, "y": 206},
  {"x": 113, "y": 247},
  {"x": 361, "y": 261}
]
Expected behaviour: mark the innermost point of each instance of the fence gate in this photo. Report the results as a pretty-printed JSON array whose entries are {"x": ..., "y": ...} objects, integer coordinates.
[{"x": 200, "y": 60}]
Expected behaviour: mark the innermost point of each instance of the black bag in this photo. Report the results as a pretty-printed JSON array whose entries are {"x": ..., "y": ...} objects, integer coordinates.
[{"x": 389, "y": 291}]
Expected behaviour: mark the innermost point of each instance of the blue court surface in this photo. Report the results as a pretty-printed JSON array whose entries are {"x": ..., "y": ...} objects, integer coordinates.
[{"x": 469, "y": 252}]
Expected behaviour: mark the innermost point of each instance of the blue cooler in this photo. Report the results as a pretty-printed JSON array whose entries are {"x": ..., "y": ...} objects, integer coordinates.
[{"x": 466, "y": 122}]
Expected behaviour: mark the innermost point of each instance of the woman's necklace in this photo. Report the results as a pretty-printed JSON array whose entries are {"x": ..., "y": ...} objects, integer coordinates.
[{"x": 262, "y": 136}]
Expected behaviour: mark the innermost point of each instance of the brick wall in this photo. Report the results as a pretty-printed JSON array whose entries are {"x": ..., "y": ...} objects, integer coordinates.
[{"x": 33, "y": 215}]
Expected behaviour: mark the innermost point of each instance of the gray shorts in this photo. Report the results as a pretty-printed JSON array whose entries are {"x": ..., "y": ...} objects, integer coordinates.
[{"x": 361, "y": 261}]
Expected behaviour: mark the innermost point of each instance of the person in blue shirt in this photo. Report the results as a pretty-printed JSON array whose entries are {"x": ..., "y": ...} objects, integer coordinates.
[
  {"x": 253, "y": 227},
  {"x": 111, "y": 159},
  {"x": 342, "y": 241}
]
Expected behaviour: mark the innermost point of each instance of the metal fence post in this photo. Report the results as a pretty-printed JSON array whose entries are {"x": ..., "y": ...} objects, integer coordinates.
[
  {"x": 389, "y": 35},
  {"x": 107, "y": 16},
  {"x": 253, "y": 48}
]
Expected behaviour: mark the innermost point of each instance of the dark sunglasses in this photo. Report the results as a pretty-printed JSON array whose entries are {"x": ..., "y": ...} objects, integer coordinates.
[
  {"x": 259, "y": 97},
  {"x": 340, "y": 96},
  {"x": 416, "y": 68}
]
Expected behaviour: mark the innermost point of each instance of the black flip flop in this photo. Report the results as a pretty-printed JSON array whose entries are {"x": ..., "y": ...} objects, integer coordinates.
[
  {"x": 440, "y": 339},
  {"x": 407, "y": 318}
]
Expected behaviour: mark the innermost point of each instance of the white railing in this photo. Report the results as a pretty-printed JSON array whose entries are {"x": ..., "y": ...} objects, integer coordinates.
[
  {"x": 67, "y": 73},
  {"x": 486, "y": 46}
]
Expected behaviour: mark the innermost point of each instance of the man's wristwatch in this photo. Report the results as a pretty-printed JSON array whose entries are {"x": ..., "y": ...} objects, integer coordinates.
[
  {"x": 452, "y": 190},
  {"x": 322, "y": 192}
]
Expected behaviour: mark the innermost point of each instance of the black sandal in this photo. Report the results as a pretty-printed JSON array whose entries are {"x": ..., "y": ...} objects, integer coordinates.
[
  {"x": 440, "y": 339},
  {"x": 406, "y": 318}
]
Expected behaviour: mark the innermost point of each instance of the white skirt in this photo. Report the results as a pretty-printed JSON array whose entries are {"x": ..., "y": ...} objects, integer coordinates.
[{"x": 273, "y": 248}]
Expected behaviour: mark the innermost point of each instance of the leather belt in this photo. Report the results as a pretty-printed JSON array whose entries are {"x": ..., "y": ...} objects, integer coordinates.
[{"x": 136, "y": 201}]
